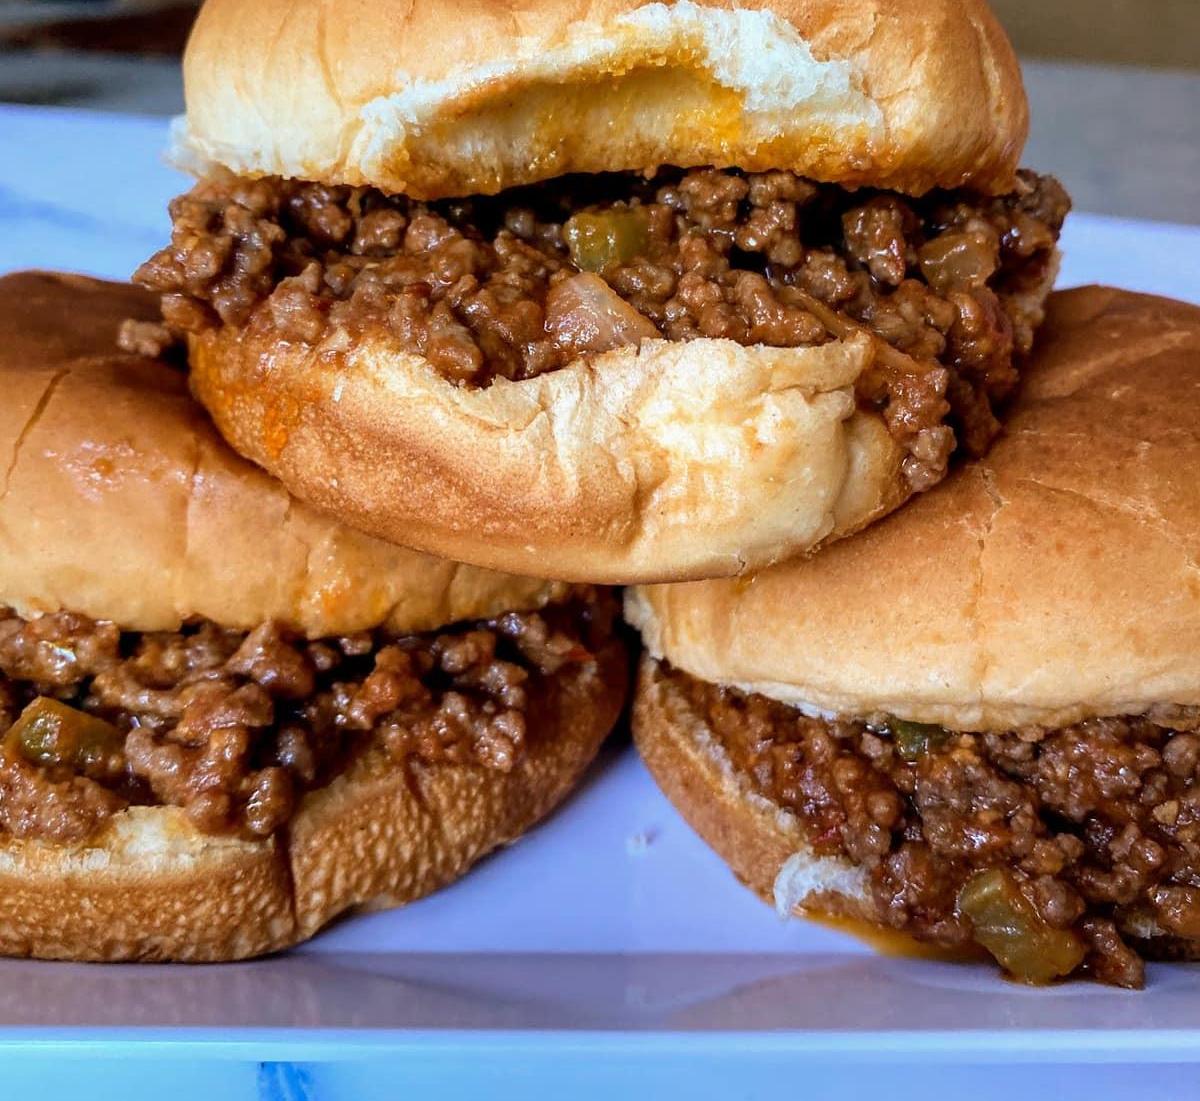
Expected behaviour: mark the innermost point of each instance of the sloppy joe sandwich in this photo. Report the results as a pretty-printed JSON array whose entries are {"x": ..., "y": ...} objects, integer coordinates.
[
  {"x": 226, "y": 717},
  {"x": 610, "y": 292},
  {"x": 979, "y": 721}
]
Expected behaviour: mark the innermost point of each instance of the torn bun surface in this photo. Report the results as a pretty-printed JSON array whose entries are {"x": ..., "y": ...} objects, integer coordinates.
[
  {"x": 439, "y": 98},
  {"x": 698, "y": 459}
]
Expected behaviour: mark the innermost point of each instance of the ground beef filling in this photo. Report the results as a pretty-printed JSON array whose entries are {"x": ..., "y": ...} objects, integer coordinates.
[
  {"x": 1038, "y": 844},
  {"x": 519, "y": 284},
  {"x": 234, "y": 727}
]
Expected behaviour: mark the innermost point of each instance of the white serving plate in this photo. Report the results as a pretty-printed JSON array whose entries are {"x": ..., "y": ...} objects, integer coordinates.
[{"x": 609, "y": 939}]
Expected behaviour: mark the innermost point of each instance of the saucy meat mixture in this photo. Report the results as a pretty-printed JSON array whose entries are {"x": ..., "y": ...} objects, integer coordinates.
[
  {"x": 1036, "y": 844},
  {"x": 522, "y": 283},
  {"x": 234, "y": 727}
]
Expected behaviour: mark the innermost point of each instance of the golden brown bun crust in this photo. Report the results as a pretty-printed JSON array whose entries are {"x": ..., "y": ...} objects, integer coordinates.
[
  {"x": 151, "y": 888},
  {"x": 119, "y": 500},
  {"x": 681, "y": 460},
  {"x": 1054, "y": 580},
  {"x": 452, "y": 97}
]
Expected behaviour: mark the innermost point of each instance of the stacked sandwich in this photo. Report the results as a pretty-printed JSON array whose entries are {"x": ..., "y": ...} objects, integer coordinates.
[
  {"x": 230, "y": 717},
  {"x": 685, "y": 297}
]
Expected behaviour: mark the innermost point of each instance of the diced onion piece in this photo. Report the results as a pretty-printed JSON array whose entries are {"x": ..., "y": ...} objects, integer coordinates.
[
  {"x": 586, "y": 315},
  {"x": 842, "y": 327},
  {"x": 969, "y": 257}
]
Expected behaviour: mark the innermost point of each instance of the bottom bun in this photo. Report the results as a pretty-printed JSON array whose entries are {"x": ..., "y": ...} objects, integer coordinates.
[
  {"x": 754, "y": 836},
  {"x": 768, "y": 847},
  {"x": 152, "y": 887}
]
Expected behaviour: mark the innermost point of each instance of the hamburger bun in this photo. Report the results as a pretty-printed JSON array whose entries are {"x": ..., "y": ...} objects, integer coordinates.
[
  {"x": 672, "y": 461},
  {"x": 151, "y": 886},
  {"x": 105, "y": 458},
  {"x": 118, "y": 501},
  {"x": 439, "y": 98},
  {"x": 768, "y": 847},
  {"x": 1051, "y": 581},
  {"x": 653, "y": 460},
  {"x": 757, "y": 838}
]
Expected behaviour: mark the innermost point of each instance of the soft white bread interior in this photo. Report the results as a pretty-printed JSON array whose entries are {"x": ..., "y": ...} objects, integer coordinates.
[
  {"x": 1054, "y": 580},
  {"x": 452, "y": 97},
  {"x": 119, "y": 500},
  {"x": 664, "y": 462},
  {"x": 151, "y": 887}
]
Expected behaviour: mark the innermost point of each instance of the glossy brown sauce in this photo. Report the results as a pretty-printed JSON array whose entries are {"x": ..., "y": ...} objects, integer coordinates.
[{"x": 897, "y": 944}]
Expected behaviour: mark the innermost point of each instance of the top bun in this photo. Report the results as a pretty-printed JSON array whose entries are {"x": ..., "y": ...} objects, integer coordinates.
[
  {"x": 438, "y": 98},
  {"x": 1053, "y": 581},
  {"x": 119, "y": 500}
]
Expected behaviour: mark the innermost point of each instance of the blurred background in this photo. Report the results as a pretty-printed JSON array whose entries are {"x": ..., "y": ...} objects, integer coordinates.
[{"x": 1114, "y": 84}]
